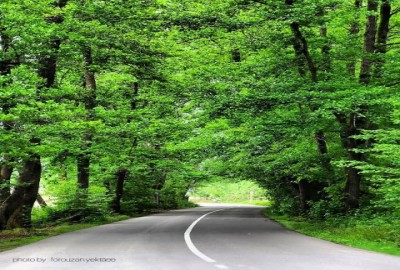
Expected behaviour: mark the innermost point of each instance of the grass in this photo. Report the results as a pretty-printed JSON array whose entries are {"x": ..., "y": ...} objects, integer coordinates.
[
  {"x": 254, "y": 202},
  {"x": 377, "y": 235},
  {"x": 11, "y": 239},
  {"x": 259, "y": 203}
]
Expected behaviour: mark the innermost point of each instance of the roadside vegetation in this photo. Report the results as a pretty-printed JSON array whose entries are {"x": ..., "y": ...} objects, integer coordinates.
[
  {"x": 14, "y": 238},
  {"x": 380, "y": 234}
]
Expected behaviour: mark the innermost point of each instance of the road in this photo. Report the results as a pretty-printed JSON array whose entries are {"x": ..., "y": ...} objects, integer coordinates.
[{"x": 209, "y": 237}]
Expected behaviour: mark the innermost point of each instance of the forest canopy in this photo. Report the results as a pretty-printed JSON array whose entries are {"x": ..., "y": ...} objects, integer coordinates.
[{"x": 123, "y": 106}]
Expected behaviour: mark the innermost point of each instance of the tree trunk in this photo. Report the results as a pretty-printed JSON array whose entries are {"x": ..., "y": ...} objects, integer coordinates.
[
  {"x": 308, "y": 191},
  {"x": 16, "y": 209},
  {"x": 83, "y": 159},
  {"x": 83, "y": 163},
  {"x": 324, "y": 155},
  {"x": 301, "y": 48},
  {"x": 326, "y": 65},
  {"x": 41, "y": 201},
  {"x": 353, "y": 183},
  {"x": 303, "y": 190},
  {"x": 30, "y": 174},
  {"x": 383, "y": 31},
  {"x": 48, "y": 65},
  {"x": 122, "y": 173},
  {"x": 119, "y": 189},
  {"x": 369, "y": 42},
  {"x": 158, "y": 176},
  {"x": 5, "y": 63},
  {"x": 90, "y": 79},
  {"x": 5, "y": 177},
  {"x": 356, "y": 120}
]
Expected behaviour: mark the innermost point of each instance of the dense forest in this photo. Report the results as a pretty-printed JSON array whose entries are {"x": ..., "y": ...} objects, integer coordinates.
[{"x": 121, "y": 106}]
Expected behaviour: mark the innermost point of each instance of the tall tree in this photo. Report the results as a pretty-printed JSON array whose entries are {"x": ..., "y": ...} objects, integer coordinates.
[{"x": 16, "y": 209}]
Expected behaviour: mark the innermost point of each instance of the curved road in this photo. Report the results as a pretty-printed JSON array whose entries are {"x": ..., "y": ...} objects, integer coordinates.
[{"x": 210, "y": 237}]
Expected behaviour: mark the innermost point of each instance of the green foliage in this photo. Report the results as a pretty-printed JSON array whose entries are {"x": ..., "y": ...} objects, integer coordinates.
[
  {"x": 378, "y": 234},
  {"x": 383, "y": 170}
]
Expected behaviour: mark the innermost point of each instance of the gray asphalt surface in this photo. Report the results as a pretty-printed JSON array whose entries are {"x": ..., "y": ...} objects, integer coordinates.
[{"x": 237, "y": 237}]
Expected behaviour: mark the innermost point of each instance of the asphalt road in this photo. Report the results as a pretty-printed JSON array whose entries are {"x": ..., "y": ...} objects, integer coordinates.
[{"x": 210, "y": 237}]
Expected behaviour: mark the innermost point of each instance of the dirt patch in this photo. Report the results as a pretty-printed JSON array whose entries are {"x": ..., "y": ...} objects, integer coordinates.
[{"x": 12, "y": 235}]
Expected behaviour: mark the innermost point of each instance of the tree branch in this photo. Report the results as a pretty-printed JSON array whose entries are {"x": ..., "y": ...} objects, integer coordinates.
[
  {"x": 395, "y": 11},
  {"x": 389, "y": 44}
]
